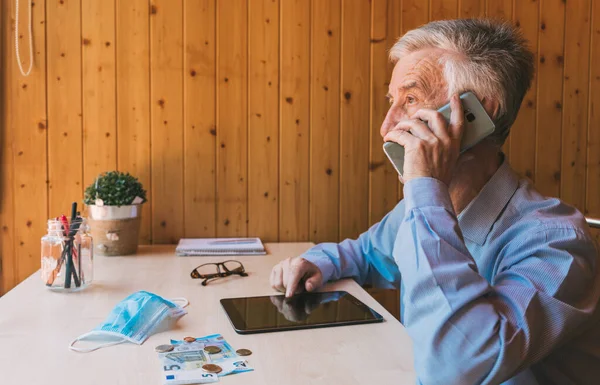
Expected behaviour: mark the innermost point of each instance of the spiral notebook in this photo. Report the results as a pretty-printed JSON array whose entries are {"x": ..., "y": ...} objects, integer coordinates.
[{"x": 219, "y": 246}]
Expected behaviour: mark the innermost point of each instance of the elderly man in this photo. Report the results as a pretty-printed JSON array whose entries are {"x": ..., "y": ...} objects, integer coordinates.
[{"x": 498, "y": 283}]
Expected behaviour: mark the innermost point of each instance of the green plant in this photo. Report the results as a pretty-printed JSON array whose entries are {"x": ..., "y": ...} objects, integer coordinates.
[{"x": 115, "y": 189}]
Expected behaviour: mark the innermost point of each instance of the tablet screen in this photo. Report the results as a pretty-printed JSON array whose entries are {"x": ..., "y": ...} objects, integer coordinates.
[{"x": 302, "y": 311}]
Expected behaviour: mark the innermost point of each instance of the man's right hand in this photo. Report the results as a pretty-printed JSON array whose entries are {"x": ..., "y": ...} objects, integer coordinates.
[{"x": 294, "y": 275}]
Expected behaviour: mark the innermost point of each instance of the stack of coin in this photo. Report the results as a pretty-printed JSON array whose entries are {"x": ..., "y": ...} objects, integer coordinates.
[
  {"x": 212, "y": 368},
  {"x": 164, "y": 348},
  {"x": 212, "y": 349},
  {"x": 243, "y": 352}
]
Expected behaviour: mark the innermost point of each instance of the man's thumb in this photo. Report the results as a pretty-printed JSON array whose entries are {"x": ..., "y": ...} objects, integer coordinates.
[{"x": 312, "y": 283}]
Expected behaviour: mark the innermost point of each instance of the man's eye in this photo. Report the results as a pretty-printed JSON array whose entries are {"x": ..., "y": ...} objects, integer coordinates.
[{"x": 410, "y": 100}]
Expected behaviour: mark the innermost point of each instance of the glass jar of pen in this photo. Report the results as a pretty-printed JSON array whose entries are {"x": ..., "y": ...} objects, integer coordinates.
[{"x": 67, "y": 253}]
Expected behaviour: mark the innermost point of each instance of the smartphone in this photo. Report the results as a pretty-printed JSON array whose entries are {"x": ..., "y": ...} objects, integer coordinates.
[{"x": 478, "y": 125}]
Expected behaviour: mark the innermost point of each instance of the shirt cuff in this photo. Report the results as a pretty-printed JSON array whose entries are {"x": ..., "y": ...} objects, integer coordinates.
[
  {"x": 426, "y": 192},
  {"x": 322, "y": 261}
]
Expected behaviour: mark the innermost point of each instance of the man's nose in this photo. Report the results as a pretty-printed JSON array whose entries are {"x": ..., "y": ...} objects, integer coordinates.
[{"x": 393, "y": 117}]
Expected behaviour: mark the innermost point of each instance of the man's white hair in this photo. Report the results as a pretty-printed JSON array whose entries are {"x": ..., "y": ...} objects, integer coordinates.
[{"x": 489, "y": 58}]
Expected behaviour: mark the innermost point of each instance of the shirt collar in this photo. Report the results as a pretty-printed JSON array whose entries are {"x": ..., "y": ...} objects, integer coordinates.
[{"x": 477, "y": 219}]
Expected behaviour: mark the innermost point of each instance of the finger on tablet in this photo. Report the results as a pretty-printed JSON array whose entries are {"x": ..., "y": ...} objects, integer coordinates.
[
  {"x": 279, "y": 284},
  {"x": 294, "y": 277}
]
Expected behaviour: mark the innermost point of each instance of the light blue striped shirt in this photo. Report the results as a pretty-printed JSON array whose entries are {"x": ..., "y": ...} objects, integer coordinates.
[{"x": 506, "y": 292}]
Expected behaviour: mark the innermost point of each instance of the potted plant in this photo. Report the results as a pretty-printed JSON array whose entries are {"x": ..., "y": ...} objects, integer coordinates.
[{"x": 114, "y": 203}]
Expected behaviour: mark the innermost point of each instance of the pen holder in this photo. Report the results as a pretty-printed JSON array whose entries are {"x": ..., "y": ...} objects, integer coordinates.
[{"x": 67, "y": 257}]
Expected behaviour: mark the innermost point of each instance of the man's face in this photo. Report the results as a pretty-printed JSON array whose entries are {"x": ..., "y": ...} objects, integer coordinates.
[{"x": 417, "y": 82}]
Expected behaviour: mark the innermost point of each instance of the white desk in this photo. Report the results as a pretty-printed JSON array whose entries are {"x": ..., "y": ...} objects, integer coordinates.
[{"x": 36, "y": 326}]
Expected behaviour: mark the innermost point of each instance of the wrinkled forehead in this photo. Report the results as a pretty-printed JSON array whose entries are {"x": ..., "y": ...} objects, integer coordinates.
[{"x": 423, "y": 65}]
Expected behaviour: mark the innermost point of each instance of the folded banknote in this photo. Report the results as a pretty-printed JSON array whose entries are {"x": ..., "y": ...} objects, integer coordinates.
[{"x": 184, "y": 363}]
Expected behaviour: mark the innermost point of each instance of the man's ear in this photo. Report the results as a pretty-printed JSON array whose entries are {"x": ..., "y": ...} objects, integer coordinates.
[{"x": 491, "y": 107}]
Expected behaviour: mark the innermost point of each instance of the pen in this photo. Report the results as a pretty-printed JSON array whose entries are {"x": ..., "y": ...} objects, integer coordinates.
[
  {"x": 70, "y": 266},
  {"x": 75, "y": 252},
  {"x": 233, "y": 242},
  {"x": 79, "y": 262}
]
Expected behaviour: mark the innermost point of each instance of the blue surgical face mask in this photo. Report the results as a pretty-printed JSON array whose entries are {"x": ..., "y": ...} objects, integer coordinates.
[{"x": 134, "y": 319}]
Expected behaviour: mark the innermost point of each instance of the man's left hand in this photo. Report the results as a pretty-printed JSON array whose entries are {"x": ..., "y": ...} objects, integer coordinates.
[{"x": 431, "y": 144}]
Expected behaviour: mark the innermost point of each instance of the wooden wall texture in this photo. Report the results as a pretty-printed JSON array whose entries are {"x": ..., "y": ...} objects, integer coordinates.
[{"x": 256, "y": 117}]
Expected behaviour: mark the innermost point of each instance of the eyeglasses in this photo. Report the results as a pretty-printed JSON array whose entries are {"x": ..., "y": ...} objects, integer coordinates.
[{"x": 210, "y": 271}]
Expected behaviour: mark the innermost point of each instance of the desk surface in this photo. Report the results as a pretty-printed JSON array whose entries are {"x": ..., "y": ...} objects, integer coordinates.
[{"x": 36, "y": 326}]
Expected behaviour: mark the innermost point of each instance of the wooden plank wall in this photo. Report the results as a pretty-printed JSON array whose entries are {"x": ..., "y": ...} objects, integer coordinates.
[{"x": 256, "y": 117}]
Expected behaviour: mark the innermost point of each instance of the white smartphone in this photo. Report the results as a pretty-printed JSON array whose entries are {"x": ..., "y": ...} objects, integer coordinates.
[{"x": 478, "y": 125}]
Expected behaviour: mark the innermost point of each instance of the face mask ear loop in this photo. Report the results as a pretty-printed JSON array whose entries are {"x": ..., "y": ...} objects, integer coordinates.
[
  {"x": 180, "y": 299},
  {"x": 87, "y": 350}
]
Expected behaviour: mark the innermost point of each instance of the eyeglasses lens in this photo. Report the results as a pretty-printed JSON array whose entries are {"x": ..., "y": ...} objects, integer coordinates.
[
  {"x": 234, "y": 266},
  {"x": 207, "y": 270}
]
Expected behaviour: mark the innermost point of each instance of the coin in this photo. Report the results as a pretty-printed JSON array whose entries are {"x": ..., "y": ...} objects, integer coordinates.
[
  {"x": 244, "y": 352},
  {"x": 212, "y": 349},
  {"x": 212, "y": 368},
  {"x": 164, "y": 348},
  {"x": 189, "y": 339}
]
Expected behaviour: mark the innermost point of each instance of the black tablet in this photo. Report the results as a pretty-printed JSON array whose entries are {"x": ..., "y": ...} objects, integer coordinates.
[{"x": 302, "y": 311}]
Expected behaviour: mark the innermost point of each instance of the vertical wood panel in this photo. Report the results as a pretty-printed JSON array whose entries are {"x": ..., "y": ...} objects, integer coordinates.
[
  {"x": 501, "y": 9},
  {"x": 3, "y": 161},
  {"x": 65, "y": 162},
  {"x": 7, "y": 260},
  {"x": 575, "y": 117},
  {"x": 263, "y": 119},
  {"x": 522, "y": 150},
  {"x": 28, "y": 125},
  {"x": 98, "y": 82},
  {"x": 384, "y": 183},
  {"x": 325, "y": 120},
  {"x": 294, "y": 127},
  {"x": 471, "y": 8},
  {"x": 354, "y": 140},
  {"x": 443, "y": 9},
  {"x": 166, "y": 65},
  {"x": 549, "y": 95},
  {"x": 592, "y": 204},
  {"x": 133, "y": 98},
  {"x": 414, "y": 14},
  {"x": 232, "y": 107},
  {"x": 200, "y": 118}
]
